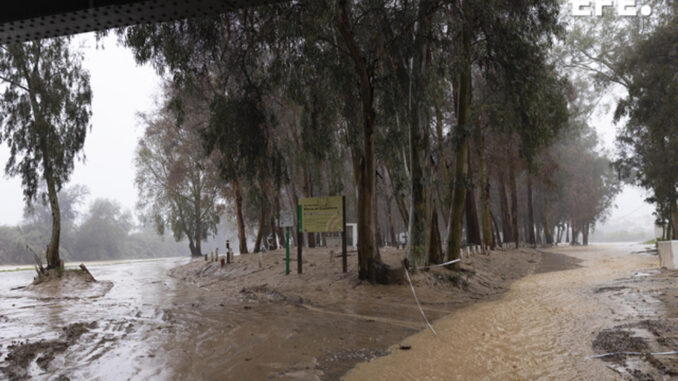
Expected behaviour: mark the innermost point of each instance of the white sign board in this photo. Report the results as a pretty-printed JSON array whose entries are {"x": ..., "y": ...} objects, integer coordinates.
[{"x": 286, "y": 219}]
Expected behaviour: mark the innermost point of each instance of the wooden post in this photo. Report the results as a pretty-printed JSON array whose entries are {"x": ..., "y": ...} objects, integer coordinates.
[
  {"x": 300, "y": 239},
  {"x": 344, "y": 260}
]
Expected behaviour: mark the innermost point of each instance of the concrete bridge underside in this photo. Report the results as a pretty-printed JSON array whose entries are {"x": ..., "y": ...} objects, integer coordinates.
[{"x": 30, "y": 20}]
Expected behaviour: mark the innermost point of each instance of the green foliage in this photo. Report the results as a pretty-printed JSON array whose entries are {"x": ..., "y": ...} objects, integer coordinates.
[
  {"x": 178, "y": 185},
  {"x": 649, "y": 140},
  {"x": 103, "y": 232},
  {"x": 45, "y": 110}
]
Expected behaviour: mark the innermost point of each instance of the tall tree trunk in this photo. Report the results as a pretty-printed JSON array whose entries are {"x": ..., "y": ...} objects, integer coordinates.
[
  {"x": 548, "y": 234},
  {"x": 418, "y": 142},
  {"x": 403, "y": 210},
  {"x": 53, "y": 260},
  {"x": 484, "y": 194},
  {"x": 472, "y": 223},
  {"x": 530, "y": 213},
  {"x": 575, "y": 233},
  {"x": 242, "y": 238},
  {"x": 567, "y": 233},
  {"x": 461, "y": 134},
  {"x": 260, "y": 229},
  {"x": 514, "y": 206},
  {"x": 673, "y": 220},
  {"x": 497, "y": 236},
  {"x": 585, "y": 234},
  {"x": 274, "y": 229},
  {"x": 195, "y": 252},
  {"x": 391, "y": 226},
  {"x": 435, "y": 250},
  {"x": 370, "y": 262},
  {"x": 198, "y": 227},
  {"x": 506, "y": 221}
]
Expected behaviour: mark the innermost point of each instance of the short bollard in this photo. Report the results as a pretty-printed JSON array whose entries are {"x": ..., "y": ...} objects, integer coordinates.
[
  {"x": 223, "y": 262},
  {"x": 205, "y": 257}
]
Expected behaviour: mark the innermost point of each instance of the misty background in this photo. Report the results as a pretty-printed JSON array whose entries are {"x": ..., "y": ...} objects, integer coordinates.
[{"x": 122, "y": 89}]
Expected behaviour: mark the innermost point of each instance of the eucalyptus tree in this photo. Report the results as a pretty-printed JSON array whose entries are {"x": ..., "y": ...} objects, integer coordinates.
[
  {"x": 45, "y": 115},
  {"x": 224, "y": 60},
  {"x": 103, "y": 233},
  {"x": 178, "y": 185},
  {"x": 648, "y": 141},
  {"x": 509, "y": 38}
]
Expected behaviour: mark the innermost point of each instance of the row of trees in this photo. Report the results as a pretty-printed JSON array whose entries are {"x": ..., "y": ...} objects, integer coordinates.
[
  {"x": 467, "y": 117},
  {"x": 634, "y": 56},
  {"x": 648, "y": 141},
  {"x": 454, "y": 113},
  {"x": 103, "y": 232}
]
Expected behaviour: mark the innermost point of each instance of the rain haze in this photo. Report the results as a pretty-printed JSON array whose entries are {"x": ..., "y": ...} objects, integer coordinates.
[
  {"x": 339, "y": 190},
  {"x": 122, "y": 89}
]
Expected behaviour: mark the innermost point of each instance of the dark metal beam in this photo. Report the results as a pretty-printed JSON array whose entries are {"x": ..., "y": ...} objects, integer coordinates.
[{"x": 31, "y": 20}]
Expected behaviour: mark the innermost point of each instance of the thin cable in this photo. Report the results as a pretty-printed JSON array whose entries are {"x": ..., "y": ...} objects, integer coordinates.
[
  {"x": 407, "y": 273},
  {"x": 440, "y": 265}
]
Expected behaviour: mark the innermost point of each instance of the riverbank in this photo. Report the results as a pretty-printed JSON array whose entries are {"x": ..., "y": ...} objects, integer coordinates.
[{"x": 320, "y": 324}]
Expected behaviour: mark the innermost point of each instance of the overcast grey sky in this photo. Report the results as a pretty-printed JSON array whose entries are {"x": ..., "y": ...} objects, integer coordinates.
[{"x": 122, "y": 89}]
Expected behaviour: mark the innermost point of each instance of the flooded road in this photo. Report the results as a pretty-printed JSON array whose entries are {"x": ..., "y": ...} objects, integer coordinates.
[{"x": 541, "y": 329}]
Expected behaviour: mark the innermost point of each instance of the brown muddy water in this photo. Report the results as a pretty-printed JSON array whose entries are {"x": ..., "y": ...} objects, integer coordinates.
[
  {"x": 541, "y": 329},
  {"x": 249, "y": 322},
  {"x": 105, "y": 334}
]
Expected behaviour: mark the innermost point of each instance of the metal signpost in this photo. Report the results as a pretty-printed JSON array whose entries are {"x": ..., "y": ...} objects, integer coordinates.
[{"x": 287, "y": 221}]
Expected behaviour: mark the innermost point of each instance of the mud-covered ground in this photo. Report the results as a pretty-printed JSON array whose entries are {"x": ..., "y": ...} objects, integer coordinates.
[
  {"x": 645, "y": 310},
  {"x": 552, "y": 325},
  {"x": 182, "y": 319},
  {"x": 519, "y": 314},
  {"x": 323, "y": 322}
]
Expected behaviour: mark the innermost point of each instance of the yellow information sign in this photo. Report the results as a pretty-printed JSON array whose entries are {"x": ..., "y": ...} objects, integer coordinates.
[{"x": 321, "y": 214}]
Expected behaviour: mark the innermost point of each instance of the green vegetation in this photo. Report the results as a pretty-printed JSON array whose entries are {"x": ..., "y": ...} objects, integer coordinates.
[
  {"x": 103, "y": 233},
  {"x": 45, "y": 112},
  {"x": 458, "y": 122}
]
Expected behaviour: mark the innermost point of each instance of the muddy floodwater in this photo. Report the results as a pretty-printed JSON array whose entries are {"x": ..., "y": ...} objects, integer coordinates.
[
  {"x": 543, "y": 328},
  {"x": 120, "y": 326},
  {"x": 511, "y": 315}
]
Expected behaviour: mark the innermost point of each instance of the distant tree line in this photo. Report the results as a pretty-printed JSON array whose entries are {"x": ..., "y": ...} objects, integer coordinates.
[{"x": 103, "y": 232}]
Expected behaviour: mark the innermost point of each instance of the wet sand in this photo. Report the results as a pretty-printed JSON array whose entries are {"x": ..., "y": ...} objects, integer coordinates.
[
  {"x": 237, "y": 322},
  {"x": 321, "y": 324},
  {"x": 547, "y": 326}
]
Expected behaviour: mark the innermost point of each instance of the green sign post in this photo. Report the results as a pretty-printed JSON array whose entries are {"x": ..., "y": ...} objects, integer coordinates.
[
  {"x": 287, "y": 250},
  {"x": 287, "y": 221}
]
